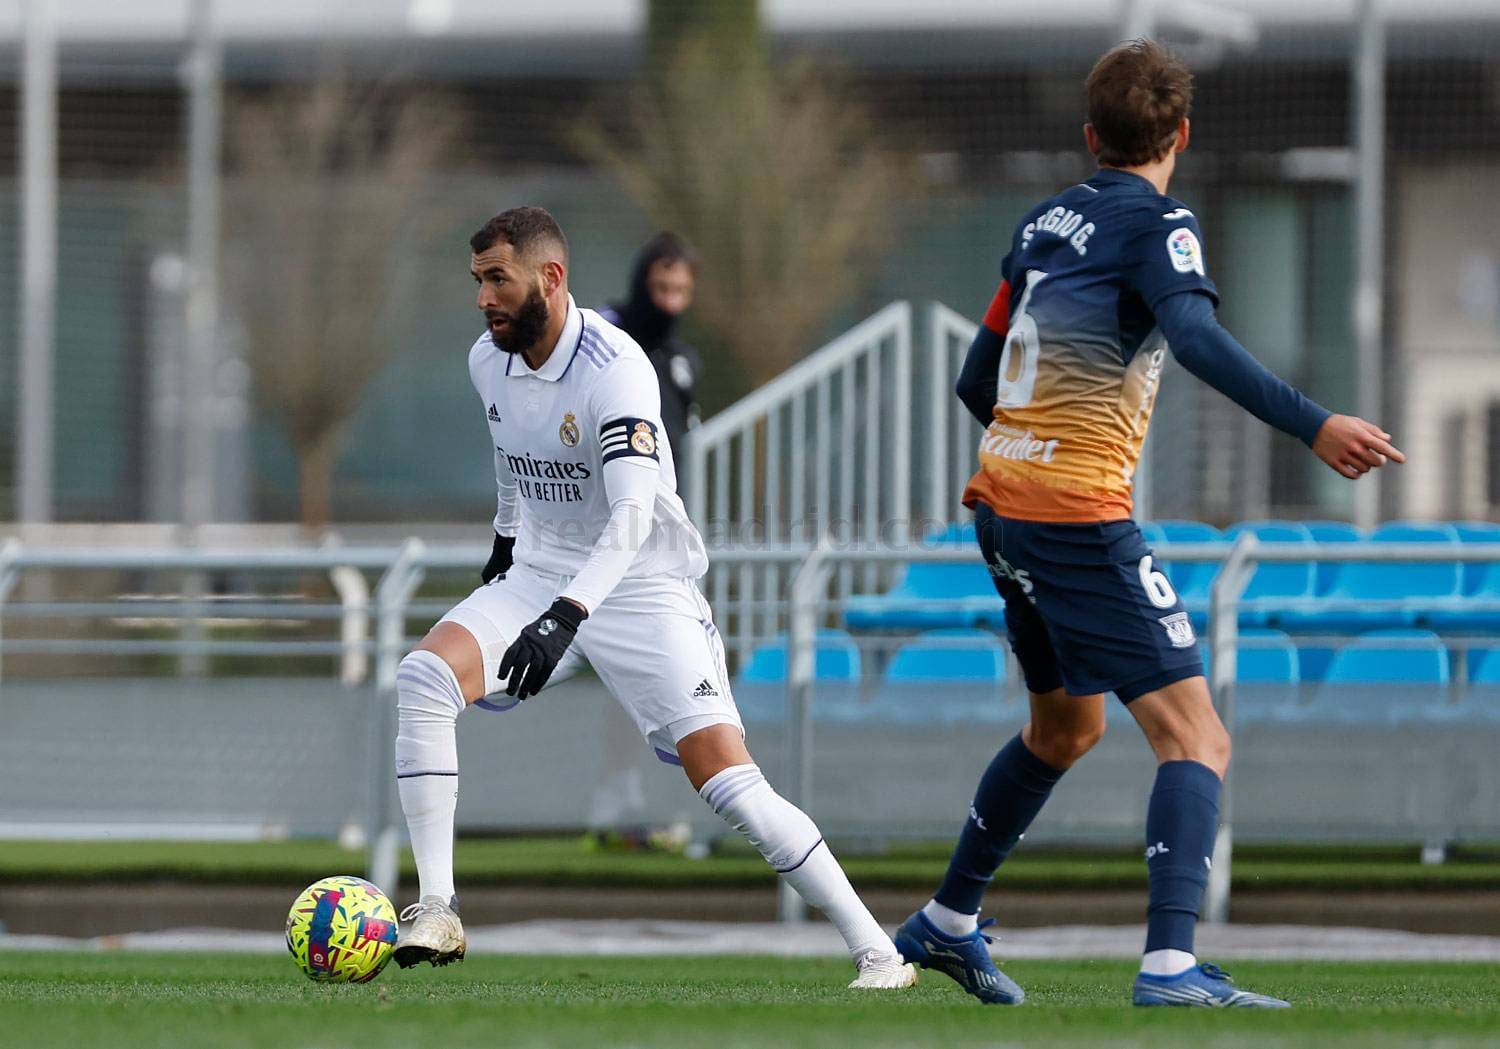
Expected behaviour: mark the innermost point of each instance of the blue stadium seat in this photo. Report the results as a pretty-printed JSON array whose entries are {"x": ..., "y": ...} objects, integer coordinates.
[
  {"x": 760, "y": 689},
  {"x": 1273, "y": 584},
  {"x": 1266, "y": 676},
  {"x": 949, "y": 655},
  {"x": 1481, "y": 700},
  {"x": 1405, "y": 587},
  {"x": 963, "y": 532},
  {"x": 837, "y": 659},
  {"x": 1333, "y": 531},
  {"x": 965, "y": 590},
  {"x": 1330, "y": 532},
  {"x": 944, "y": 677},
  {"x": 1484, "y": 666},
  {"x": 1192, "y": 579},
  {"x": 1370, "y": 680},
  {"x": 1478, "y": 610},
  {"x": 1313, "y": 661},
  {"x": 1266, "y": 657},
  {"x": 1390, "y": 657}
]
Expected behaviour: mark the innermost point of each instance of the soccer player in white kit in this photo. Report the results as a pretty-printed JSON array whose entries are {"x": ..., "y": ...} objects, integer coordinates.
[{"x": 594, "y": 559}]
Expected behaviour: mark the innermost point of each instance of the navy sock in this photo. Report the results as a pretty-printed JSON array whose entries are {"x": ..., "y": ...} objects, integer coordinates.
[
  {"x": 1181, "y": 822},
  {"x": 1010, "y": 794}
]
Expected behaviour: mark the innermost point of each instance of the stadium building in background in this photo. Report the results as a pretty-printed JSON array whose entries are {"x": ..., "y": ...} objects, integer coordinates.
[{"x": 982, "y": 100}]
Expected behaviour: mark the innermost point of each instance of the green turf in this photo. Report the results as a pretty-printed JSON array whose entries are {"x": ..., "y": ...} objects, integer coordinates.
[
  {"x": 131, "y": 1000},
  {"x": 564, "y": 861}
]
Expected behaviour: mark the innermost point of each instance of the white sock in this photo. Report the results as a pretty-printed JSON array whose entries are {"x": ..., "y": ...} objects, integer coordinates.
[
  {"x": 1167, "y": 962},
  {"x": 429, "y": 702},
  {"x": 792, "y": 845},
  {"x": 947, "y": 920}
]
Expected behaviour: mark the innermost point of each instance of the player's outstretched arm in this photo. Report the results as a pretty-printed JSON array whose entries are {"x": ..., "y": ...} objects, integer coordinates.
[
  {"x": 1354, "y": 447},
  {"x": 1349, "y": 445}
]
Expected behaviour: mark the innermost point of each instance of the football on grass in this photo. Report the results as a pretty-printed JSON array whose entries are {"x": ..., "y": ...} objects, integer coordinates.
[{"x": 341, "y": 930}]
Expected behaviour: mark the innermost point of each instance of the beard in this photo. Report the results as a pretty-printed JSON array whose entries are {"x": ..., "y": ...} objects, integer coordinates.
[{"x": 525, "y": 326}]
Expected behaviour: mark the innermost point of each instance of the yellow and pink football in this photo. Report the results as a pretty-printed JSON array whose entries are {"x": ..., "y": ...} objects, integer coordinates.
[{"x": 341, "y": 930}]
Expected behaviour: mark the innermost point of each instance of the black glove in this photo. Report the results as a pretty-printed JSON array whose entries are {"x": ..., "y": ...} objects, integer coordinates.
[
  {"x": 532, "y": 657},
  {"x": 501, "y": 558}
]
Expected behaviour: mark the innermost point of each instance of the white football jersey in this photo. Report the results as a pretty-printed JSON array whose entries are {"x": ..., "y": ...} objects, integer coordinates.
[{"x": 595, "y": 399}]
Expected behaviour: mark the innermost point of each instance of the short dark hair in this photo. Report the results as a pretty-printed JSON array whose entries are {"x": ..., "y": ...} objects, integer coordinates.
[
  {"x": 1138, "y": 94},
  {"x": 667, "y": 246},
  {"x": 524, "y": 229}
]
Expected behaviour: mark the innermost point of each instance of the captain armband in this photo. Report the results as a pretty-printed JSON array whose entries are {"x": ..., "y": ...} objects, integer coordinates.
[{"x": 624, "y": 437}]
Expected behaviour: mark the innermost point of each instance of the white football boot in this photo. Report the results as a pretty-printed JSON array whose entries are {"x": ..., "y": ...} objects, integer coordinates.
[
  {"x": 882, "y": 972},
  {"x": 430, "y": 932}
]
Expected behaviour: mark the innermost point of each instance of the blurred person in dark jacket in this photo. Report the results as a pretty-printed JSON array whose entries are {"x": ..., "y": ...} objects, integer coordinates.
[{"x": 661, "y": 290}]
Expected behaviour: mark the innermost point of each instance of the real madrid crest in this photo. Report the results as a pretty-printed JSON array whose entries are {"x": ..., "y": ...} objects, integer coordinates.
[
  {"x": 568, "y": 431},
  {"x": 642, "y": 440}
]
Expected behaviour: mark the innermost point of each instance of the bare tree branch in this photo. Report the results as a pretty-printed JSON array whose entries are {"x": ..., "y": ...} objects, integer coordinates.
[
  {"x": 330, "y": 191},
  {"x": 775, "y": 176}
]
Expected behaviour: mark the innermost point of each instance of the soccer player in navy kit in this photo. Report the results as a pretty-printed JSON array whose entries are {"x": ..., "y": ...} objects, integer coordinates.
[{"x": 1099, "y": 282}]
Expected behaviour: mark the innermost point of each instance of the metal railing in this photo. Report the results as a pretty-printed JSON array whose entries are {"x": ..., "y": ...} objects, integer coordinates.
[
  {"x": 952, "y": 433},
  {"x": 342, "y": 564},
  {"x": 363, "y": 656},
  {"x": 809, "y": 600},
  {"x": 825, "y": 447}
]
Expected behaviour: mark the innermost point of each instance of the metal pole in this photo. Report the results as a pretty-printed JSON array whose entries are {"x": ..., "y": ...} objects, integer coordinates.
[
  {"x": 805, "y": 594},
  {"x": 203, "y": 74},
  {"x": 939, "y": 393},
  {"x": 901, "y": 410},
  {"x": 1369, "y": 245},
  {"x": 1223, "y": 633},
  {"x": 203, "y": 77},
  {"x": 696, "y": 468},
  {"x": 38, "y": 262},
  {"x": 10, "y": 549},
  {"x": 1139, "y": 19},
  {"x": 354, "y": 625},
  {"x": 392, "y": 595}
]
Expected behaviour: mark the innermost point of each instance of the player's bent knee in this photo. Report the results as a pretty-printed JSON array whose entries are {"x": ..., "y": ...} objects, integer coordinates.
[
  {"x": 1218, "y": 748},
  {"x": 1206, "y": 742},
  {"x": 1062, "y": 748},
  {"x": 709, "y": 751},
  {"x": 458, "y": 648},
  {"x": 1062, "y": 728}
]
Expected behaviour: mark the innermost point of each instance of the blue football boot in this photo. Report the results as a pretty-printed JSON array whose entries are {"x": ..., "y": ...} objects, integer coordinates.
[
  {"x": 1204, "y": 985},
  {"x": 965, "y": 958}
]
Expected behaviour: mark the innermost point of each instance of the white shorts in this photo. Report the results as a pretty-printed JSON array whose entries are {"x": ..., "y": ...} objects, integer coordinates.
[{"x": 652, "y": 642}]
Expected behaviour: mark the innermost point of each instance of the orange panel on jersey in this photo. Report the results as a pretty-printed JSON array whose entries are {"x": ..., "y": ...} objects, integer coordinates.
[
  {"x": 1034, "y": 501},
  {"x": 1068, "y": 453}
]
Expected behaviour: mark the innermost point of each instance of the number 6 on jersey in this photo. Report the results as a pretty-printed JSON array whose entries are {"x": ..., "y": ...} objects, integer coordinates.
[{"x": 1015, "y": 391}]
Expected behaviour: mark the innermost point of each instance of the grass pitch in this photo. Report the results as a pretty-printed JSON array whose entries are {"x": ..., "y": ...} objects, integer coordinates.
[{"x": 130, "y": 1000}]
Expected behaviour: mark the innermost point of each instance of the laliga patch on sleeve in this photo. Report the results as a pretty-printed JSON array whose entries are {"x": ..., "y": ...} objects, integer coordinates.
[{"x": 1185, "y": 251}]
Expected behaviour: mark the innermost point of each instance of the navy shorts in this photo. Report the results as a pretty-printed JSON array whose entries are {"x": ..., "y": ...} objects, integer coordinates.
[{"x": 1086, "y": 608}]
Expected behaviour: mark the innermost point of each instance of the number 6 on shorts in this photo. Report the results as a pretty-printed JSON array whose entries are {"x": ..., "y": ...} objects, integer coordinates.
[{"x": 1157, "y": 586}]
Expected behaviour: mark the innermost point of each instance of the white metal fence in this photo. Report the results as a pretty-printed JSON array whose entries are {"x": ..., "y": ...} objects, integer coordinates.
[
  {"x": 166, "y": 726},
  {"x": 862, "y": 441}
]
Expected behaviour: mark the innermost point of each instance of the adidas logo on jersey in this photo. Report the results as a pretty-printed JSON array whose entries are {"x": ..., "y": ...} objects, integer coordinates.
[
  {"x": 704, "y": 689},
  {"x": 494, "y": 414}
]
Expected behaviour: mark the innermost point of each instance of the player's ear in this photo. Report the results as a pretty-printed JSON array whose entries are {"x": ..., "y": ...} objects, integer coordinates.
[
  {"x": 1091, "y": 139},
  {"x": 553, "y": 276},
  {"x": 1184, "y": 132}
]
